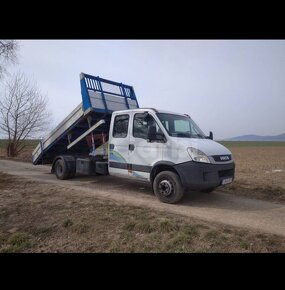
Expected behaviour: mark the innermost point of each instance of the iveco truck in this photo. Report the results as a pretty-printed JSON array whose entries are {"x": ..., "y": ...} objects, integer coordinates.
[{"x": 108, "y": 133}]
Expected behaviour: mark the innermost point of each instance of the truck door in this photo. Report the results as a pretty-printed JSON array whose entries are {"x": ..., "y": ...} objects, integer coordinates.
[
  {"x": 119, "y": 145},
  {"x": 144, "y": 154}
]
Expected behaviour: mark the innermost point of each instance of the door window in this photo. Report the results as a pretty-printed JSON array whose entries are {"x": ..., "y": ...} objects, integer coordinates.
[
  {"x": 142, "y": 122},
  {"x": 121, "y": 125}
]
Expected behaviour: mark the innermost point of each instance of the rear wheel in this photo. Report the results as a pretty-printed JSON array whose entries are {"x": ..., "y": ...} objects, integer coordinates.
[
  {"x": 61, "y": 169},
  {"x": 167, "y": 187}
]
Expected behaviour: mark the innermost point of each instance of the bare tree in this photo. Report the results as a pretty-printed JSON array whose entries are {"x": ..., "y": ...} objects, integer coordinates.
[
  {"x": 23, "y": 113},
  {"x": 8, "y": 54}
]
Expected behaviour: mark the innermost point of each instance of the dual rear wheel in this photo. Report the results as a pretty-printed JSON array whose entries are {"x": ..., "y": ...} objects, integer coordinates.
[{"x": 62, "y": 170}]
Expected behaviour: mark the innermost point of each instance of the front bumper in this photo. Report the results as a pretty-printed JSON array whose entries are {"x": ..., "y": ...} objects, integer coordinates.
[{"x": 197, "y": 176}]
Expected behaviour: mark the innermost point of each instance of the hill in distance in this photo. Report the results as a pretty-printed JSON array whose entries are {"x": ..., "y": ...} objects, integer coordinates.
[{"x": 280, "y": 137}]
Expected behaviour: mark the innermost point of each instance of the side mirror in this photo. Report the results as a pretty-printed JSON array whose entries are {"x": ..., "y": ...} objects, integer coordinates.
[
  {"x": 151, "y": 133},
  {"x": 211, "y": 135}
]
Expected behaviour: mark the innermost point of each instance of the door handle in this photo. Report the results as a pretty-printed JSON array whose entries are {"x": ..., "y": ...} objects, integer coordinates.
[
  {"x": 131, "y": 147},
  {"x": 111, "y": 146}
]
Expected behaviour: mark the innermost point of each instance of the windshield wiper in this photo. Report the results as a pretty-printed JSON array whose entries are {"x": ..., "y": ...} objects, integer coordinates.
[
  {"x": 181, "y": 134},
  {"x": 200, "y": 135},
  {"x": 187, "y": 134}
]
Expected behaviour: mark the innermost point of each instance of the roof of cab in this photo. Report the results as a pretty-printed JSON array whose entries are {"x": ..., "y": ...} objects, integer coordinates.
[{"x": 148, "y": 109}]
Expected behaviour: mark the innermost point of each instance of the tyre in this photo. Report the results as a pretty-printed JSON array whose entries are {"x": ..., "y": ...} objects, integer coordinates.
[
  {"x": 208, "y": 190},
  {"x": 167, "y": 187},
  {"x": 61, "y": 170}
]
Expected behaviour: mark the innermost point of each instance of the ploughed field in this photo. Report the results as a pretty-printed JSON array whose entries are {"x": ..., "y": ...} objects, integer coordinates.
[{"x": 260, "y": 169}]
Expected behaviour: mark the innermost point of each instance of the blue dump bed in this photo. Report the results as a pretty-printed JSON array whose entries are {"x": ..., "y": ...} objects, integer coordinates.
[{"x": 100, "y": 97}]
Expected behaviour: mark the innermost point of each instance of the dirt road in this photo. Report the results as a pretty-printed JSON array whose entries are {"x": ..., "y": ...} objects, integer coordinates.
[{"x": 217, "y": 207}]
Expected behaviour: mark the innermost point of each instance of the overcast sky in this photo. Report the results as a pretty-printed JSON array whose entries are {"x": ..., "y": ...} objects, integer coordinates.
[{"x": 232, "y": 87}]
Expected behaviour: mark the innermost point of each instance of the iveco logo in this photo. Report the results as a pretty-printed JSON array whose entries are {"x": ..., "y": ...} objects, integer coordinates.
[{"x": 224, "y": 158}]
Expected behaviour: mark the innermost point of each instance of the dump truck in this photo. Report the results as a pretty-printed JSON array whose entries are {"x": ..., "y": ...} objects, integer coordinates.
[{"x": 108, "y": 133}]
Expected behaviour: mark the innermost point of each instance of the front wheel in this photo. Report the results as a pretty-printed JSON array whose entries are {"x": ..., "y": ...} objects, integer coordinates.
[{"x": 167, "y": 187}]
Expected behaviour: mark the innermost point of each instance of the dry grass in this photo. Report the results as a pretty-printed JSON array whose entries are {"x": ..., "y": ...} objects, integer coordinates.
[
  {"x": 48, "y": 218},
  {"x": 25, "y": 155}
]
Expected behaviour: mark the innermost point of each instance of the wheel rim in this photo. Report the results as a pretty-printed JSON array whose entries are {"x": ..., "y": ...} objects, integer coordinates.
[{"x": 165, "y": 187}]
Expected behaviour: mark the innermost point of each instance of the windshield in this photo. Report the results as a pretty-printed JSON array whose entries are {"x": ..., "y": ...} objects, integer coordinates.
[{"x": 180, "y": 126}]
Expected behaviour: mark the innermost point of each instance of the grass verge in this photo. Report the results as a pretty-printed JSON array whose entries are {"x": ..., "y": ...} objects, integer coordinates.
[{"x": 38, "y": 217}]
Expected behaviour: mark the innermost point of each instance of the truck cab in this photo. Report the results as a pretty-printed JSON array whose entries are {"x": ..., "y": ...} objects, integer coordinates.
[{"x": 169, "y": 150}]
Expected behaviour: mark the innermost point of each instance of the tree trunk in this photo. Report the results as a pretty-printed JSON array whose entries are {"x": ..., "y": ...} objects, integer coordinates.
[{"x": 11, "y": 150}]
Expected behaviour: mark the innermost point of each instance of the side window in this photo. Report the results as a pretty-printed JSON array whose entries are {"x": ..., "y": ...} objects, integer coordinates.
[
  {"x": 121, "y": 125},
  {"x": 141, "y": 124}
]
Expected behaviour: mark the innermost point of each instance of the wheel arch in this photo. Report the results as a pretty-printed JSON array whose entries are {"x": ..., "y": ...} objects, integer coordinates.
[{"x": 162, "y": 166}]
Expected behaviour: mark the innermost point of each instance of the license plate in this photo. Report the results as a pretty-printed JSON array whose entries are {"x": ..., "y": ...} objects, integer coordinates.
[{"x": 227, "y": 181}]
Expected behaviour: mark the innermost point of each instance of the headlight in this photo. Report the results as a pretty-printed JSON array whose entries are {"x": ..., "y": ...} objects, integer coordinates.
[{"x": 198, "y": 155}]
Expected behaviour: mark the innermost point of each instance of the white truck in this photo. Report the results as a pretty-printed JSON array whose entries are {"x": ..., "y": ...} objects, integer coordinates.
[{"x": 109, "y": 134}]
